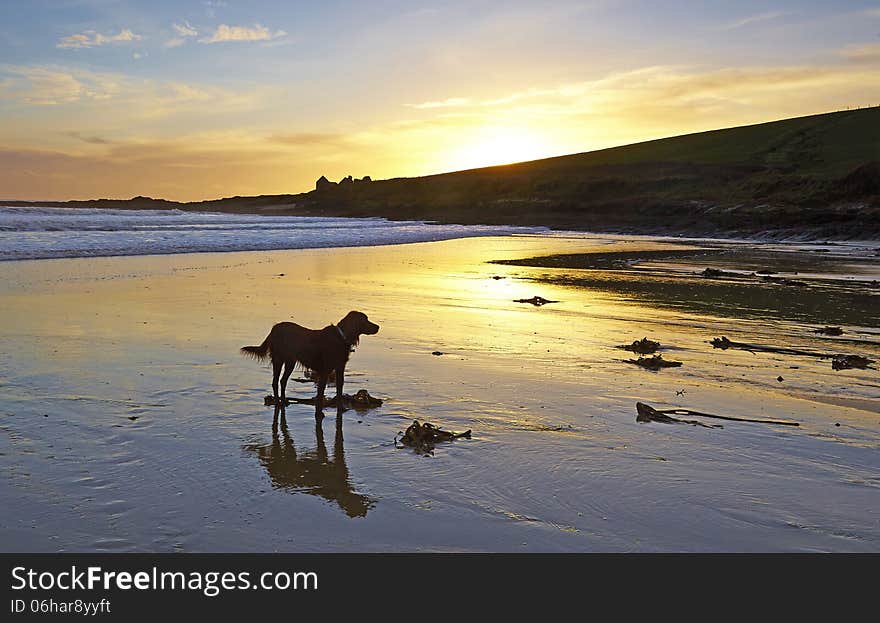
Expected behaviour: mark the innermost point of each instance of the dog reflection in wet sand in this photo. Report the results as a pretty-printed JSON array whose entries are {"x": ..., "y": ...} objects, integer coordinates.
[{"x": 310, "y": 472}]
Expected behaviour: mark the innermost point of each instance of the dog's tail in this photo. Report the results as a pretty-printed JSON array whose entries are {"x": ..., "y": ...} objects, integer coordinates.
[{"x": 260, "y": 353}]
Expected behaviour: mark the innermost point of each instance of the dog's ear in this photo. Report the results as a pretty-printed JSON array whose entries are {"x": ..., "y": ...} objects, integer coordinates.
[
  {"x": 356, "y": 319},
  {"x": 364, "y": 321}
]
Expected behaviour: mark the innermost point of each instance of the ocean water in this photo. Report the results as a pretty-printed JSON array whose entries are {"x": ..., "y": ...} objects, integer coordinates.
[{"x": 41, "y": 233}]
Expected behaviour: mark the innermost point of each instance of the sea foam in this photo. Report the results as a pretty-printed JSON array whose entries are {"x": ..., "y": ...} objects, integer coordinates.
[{"x": 42, "y": 232}]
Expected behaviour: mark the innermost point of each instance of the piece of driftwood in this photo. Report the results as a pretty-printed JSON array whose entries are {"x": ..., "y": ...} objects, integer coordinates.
[
  {"x": 848, "y": 362},
  {"x": 423, "y": 437},
  {"x": 715, "y": 273},
  {"x": 723, "y": 343},
  {"x": 362, "y": 400},
  {"x": 764, "y": 275},
  {"x": 783, "y": 281},
  {"x": 643, "y": 346},
  {"x": 654, "y": 363},
  {"x": 647, "y": 413},
  {"x": 830, "y": 331},
  {"x": 838, "y": 361},
  {"x": 537, "y": 301}
]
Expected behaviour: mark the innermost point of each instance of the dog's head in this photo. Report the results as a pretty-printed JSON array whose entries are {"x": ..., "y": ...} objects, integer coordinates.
[{"x": 356, "y": 324}]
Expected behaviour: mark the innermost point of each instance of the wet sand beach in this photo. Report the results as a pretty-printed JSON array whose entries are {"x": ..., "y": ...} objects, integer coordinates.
[{"x": 129, "y": 421}]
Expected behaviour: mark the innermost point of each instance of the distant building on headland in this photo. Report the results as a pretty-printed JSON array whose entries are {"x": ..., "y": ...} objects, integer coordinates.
[{"x": 323, "y": 184}]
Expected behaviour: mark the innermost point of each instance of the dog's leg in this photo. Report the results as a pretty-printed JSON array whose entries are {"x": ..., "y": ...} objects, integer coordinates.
[
  {"x": 288, "y": 368},
  {"x": 340, "y": 380},
  {"x": 276, "y": 372},
  {"x": 319, "y": 399}
]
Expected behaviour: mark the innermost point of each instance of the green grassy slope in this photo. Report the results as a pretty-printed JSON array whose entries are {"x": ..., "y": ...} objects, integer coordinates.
[{"x": 830, "y": 144}]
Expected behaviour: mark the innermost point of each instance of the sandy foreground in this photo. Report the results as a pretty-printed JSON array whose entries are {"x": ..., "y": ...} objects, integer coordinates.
[{"x": 129, "y": 422}]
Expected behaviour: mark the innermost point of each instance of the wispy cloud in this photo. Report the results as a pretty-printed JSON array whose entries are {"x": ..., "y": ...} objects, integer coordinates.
[
  {"x": 225, "y": 33},
  {"x": 185, "y": 30},
  {"x": 664, "y": 85},
  {"x": 92, "y": 39},
  {"x": 182, "y": 32},
  {"x": 753, "y": 19},
  {"x": 128, "y": 98},
  {"x": 87, "y": 138},
  {"x": 308, "y": 139},
  {"x": 451, "y": 102},
  {"x": 49, "y": 86}
]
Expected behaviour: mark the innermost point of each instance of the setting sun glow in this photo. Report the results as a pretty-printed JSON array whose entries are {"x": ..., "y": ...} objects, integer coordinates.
[{"x": 500, "y": 145}]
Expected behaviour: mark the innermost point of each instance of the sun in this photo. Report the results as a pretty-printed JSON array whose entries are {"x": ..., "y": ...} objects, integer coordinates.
[{"x": 496, "y": 145}]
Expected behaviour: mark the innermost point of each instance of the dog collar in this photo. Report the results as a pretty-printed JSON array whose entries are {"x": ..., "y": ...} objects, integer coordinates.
[{"x": 342, "y": 335}]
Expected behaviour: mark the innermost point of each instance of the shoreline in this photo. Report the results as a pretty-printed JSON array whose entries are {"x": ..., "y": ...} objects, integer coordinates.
[
  {"x": 279, "y": 224},
  {"x": 585, "y": 235},
  {"x": 850, "y": 229}
]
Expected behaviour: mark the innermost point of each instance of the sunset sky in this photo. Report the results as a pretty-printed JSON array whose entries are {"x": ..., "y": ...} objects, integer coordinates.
[{"x": 197, "y": 99}]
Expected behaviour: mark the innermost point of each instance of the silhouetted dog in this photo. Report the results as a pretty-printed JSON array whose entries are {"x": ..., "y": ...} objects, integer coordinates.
[{"x": 320, "y": 350}]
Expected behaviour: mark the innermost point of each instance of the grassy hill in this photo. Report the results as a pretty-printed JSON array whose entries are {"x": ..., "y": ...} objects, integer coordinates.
[
  {"x": 828, "y": 145},
  {"x": 817, "y": 175}
]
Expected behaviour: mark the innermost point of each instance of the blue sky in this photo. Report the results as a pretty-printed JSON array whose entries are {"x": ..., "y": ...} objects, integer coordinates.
[{"x": 199, "y": 98}]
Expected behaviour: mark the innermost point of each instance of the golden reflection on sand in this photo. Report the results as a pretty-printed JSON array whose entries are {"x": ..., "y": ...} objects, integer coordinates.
[{"x": 127, "y": 371}]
